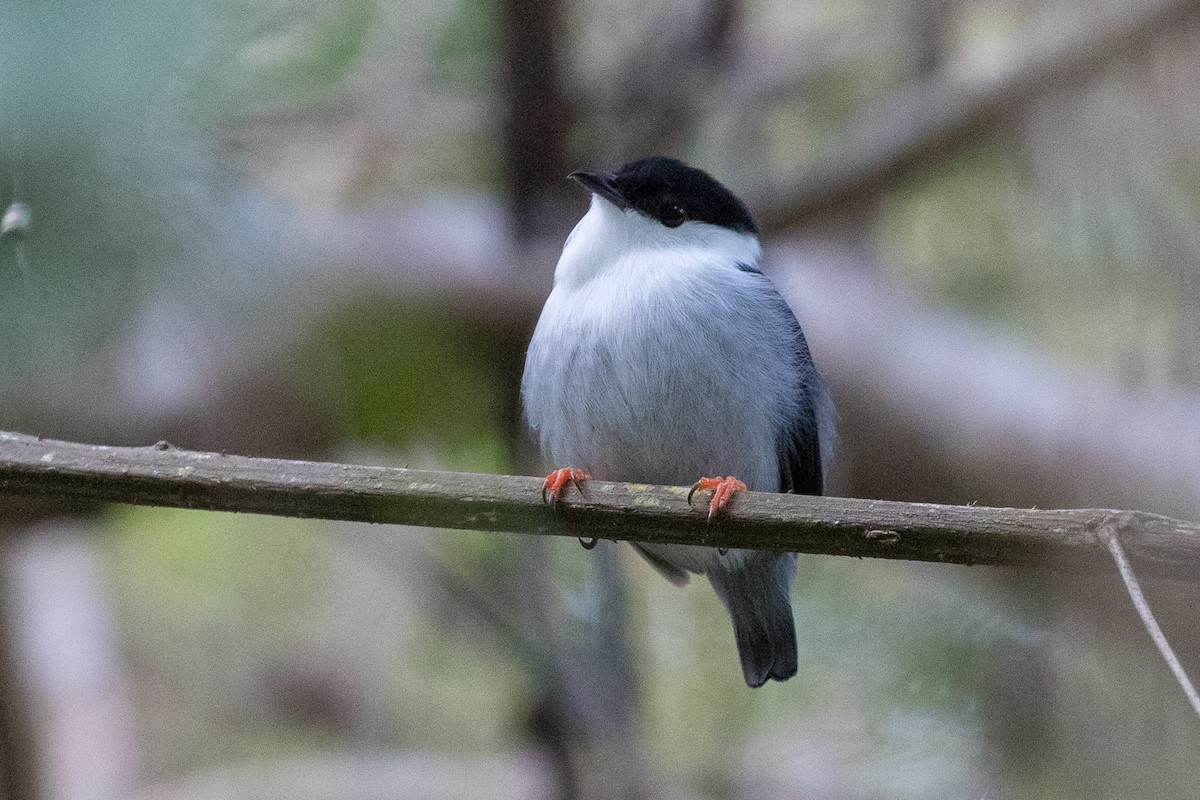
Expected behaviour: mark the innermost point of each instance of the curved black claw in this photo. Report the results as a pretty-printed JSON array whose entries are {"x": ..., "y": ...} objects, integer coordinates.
[
  {"x": 693, "y": 490},
  {"x": 588, "y": 544}
]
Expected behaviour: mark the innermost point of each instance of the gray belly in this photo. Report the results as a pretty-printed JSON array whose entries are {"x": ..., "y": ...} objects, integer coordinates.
[{"x": 659, "y": 397}]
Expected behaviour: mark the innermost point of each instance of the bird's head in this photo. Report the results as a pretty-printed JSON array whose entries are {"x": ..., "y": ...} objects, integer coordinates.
[
  {"x": 670, "y": 193},
  {"x": 657, "y": 215}
]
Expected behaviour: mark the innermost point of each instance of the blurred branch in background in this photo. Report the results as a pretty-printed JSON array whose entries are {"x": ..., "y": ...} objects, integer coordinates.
[
  {"x": 70, "y": 663},
  {"x": 536, "y": 116},
  {"x": 903, "y": 133},
  {"x": 1067, "y": 540}
]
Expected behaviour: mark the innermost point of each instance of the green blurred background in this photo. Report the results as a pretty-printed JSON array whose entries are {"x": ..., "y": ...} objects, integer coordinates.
[{"x": 308, "y": 228}]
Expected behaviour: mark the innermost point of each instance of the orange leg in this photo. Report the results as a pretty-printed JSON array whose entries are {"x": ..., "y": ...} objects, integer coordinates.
[
  {"x": 555, "y": 481},
  {"x": 722, "y": 489}
]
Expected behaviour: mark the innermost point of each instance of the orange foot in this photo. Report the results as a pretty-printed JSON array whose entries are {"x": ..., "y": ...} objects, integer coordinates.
[
  {"x": 722, "y": 489},
  {"x": 555, "y": 481}
]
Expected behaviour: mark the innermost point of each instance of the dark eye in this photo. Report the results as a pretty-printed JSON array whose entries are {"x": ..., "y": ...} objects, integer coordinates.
[{"x": 671, "y": 215}]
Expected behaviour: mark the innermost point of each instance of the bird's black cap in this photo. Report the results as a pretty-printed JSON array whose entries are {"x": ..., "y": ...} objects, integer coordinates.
[{"x": 671, "y": 192}]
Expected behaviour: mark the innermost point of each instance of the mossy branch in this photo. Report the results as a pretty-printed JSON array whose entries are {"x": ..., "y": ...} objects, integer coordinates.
[{"x": 161, "y": 475}]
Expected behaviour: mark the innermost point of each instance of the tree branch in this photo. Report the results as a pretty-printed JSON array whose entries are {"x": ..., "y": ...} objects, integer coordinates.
[{"x": 1068, "y": 540}]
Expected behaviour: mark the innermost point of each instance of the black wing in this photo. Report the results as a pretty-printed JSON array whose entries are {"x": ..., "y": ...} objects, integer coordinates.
[
  {"x": 800, "y": 468},
  {"x": 800, "y": 445}
]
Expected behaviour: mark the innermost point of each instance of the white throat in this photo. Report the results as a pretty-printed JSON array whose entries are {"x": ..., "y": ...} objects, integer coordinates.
[{"x": 608, "y": 241}]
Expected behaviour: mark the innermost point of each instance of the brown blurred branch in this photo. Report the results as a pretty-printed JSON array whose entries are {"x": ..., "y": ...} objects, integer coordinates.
[
  {"x": 536, "y": 115},
  {"x": 1064, "y": 540},
  {"x": 900, "y": 134}
]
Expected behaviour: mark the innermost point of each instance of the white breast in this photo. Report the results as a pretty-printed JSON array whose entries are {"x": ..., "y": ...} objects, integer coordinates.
[{"x": 657, "y": 359}]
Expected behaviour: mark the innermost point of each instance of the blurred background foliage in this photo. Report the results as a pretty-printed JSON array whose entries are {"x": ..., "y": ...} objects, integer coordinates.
[{"x": 318, "y": 228}]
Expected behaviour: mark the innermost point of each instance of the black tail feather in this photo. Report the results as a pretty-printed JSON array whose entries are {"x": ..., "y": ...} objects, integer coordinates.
[{"x": 756, "y": 588}]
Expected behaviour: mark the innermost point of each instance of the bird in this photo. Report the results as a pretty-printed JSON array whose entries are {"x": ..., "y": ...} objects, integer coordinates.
[{"x": 663, "y": 354}]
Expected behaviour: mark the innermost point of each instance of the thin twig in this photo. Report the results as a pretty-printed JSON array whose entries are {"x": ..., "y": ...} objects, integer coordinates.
[{"x": 1152, "y": 627}]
